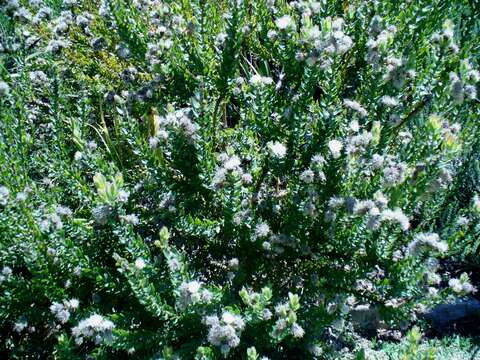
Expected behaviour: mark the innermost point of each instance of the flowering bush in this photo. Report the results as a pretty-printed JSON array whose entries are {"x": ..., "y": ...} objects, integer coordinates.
[{"x": 229, "y": 179}]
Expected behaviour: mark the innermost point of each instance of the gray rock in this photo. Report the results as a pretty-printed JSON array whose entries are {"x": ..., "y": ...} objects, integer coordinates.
[
  {"x": 365, "y": 317},
  {"x": 463, "y": 312}
]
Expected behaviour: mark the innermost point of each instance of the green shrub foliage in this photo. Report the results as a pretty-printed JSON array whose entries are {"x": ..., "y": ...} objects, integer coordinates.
[{"x": 213, "y": 179}]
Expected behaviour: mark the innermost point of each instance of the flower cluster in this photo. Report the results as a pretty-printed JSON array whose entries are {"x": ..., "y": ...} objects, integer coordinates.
[
  {"x": 461, "y": 286},
  {"x": 190, "y": 293},
  {"x": 286, "y": 323},
  {"x": 61, "y": 311},
  {"x": 225, "y": 332},
  {"x": 95, "y": 327},
  {"x": 427, "y": 241}
]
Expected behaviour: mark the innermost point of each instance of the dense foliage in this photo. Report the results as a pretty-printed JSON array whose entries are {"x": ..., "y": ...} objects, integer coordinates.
[{"x": 233, "y": 179}]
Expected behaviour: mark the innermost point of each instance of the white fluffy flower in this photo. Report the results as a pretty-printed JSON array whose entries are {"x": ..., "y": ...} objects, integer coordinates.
[
  {"x": 247, "y": 178},
  {"x": 228, "y": 318},
  {"x": 396, "y": 215},
  {"x": 476, "y": 203},
  {"x": 130, "y": 219},
  {"x": 284, "y": 22},
  {"x": 189, "y": 294},
  {"x": 389, "y": 101},
  {"x": 232, "y": 163},
  {"x": 94, "y": 327},
  {"x": 225, "y": 332},
  {"x": 461, "y": 286},
  {"x": 193, "y": 287},
  {"x": 140, "y": 263},
  {"x": 262, "y": 230},
  {"x": 307, "y": 176},
  {"x": 258, "y": 80},
  {"x": 427, "y": 241},
  {"x": 335, "y": 148},
  {"x": 60, "y": 311},
  {"x": 20, "y": 326},
  {"x": 355, "y": 106},
  {"x": 354, "y": 126},
  {"x": 277, "y": 149},
  {"x": 4, "y": 88},
  {"x": 153, "y": 142},
  {"x": 455, "y": 285},
  {"x": 297, "y": 331},
  {"x": 72, "y": 304},
  {"x": 123, "y": 195},
  {"x": 4, "y": 194}
]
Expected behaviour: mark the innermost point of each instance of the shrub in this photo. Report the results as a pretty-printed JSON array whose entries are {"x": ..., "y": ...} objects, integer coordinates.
[{"x": 210, "y": 179}]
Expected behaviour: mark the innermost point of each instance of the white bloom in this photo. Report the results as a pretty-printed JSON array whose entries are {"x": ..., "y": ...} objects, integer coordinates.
[
  {"x": 60, "y": 312},
  {"x": 266, "y": 80},
  {"x": 228, "y": 318},
  {"x": 92, "y": 145},
  {"x": 355, "y": 106},
  {"x": 123, "y": 196},
  {"x": 139, "y": 263},
  {"x": 7, "y": 271},
  {"x": 284, "y": 22},
  {"x": 335, "y": 148},
  {"x": 4, "y": 88},
  {"x": 258, "y": 80},
  {"x": 297, "y": 331},
  {"x": 432, "y": 291},
  {"x": 470, "y": 92},
  {"x": 315, "y": 350},
  {"x": 461, "y": 286},
  {"x": 394, "y": 174},
  {"x": 307, "y": 176},
  {"x": 336, "y": 203},
  {"x": 397, "y": 256},
  {"x": 38, "y": 78},
  {"x": 193, "y": 287},
  {"x": 63, "y": 210},
  {"x": 232, "y": 163},
  {"x": 427, "y": 240},
  {"x": 455, "y": 285},
  {"x": 130, "y": 219},
  {"x": 277, "y": 149},
  {"x": 189, "y": 294},
  {"x": 476, "y": 203},
  {"x": 153, "y": 142},
  {"x": 354, "y": 126},
  {"x": 247, "y": 178},
  {"x": 206, "y": 296},
  {"x": 262, "y": 230},
  {"x": 473, "y": 76},
  {"x": 101, "y": 214},
  {"x": 271, "y": 34},
  {"x": 396, "y": 215},
  {"x": 21, "y": 196},
  {"x": 20, "y": 326},
  {"x": 173, "y": 264},
  {"x": 468, "y": 288},
  {"x": 73, "y": 304},
  {"x": 233, "y": 264},
  {"x": 318, "y": 161},
  {"x": 225, "y": 332},
  {"x": 389, "y": 101},
  {"x": 4, "y": 194},
  {"x": 94, "y": 327},
  {"x": 266, "y": 314}
]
